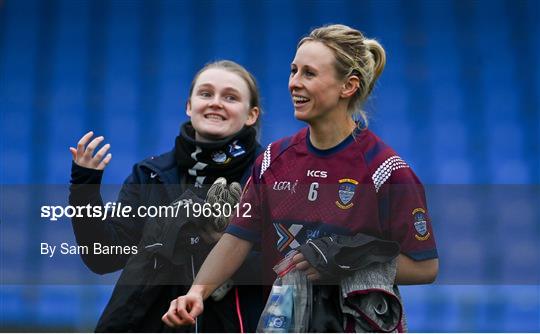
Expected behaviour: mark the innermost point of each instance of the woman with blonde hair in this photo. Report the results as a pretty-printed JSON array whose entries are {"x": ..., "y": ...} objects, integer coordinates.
[{"x": 334, "y": 177}]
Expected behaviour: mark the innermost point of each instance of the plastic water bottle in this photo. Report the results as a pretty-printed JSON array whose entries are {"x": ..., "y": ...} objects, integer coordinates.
[{"x": 279, "y": 313}]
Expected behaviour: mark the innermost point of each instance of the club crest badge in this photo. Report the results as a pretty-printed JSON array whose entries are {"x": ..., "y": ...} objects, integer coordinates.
[
  {"x": 420, "y": 224},
  {"x": 346, "y": 190},
  {"x": 220, "y": 157},
  {"x": 236, "y": 150}
]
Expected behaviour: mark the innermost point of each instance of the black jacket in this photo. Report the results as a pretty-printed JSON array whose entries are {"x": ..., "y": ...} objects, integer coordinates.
[{"x": 149, "y": 282}]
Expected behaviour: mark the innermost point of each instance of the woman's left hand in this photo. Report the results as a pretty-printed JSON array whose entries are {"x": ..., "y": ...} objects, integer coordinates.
[{"x": 304, "y": 265}]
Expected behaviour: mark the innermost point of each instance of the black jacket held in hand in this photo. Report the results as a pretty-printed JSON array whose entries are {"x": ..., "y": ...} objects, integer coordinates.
[{"x": 155, "y": 275}]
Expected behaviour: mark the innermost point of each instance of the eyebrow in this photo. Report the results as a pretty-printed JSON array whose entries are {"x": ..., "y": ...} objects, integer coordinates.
[
  {"x": 205, "y": 85},
  {"x": 232, "y": 89},
  {"x": 209, "y": 85},
  {"x": 309, "y": 67}
]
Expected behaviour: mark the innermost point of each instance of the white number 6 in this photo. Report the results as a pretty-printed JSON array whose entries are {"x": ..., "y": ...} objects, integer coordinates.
[{"x": 312, "y": 195}]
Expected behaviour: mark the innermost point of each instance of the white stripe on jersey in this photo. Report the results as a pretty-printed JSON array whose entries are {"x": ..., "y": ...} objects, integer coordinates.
[
  {"x": 385, "y": 170},
  {"x": 266, "y": 160}
]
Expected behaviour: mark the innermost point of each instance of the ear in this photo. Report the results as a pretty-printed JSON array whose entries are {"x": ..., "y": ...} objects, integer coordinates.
[
  {"x": 350, "y": 86},
  {"x": 253, "y": 115},
  {"x": 188, "y": 108}
]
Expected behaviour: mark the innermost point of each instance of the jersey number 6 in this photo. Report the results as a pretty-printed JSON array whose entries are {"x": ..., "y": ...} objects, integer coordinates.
[{"x": 312, "y": 195}]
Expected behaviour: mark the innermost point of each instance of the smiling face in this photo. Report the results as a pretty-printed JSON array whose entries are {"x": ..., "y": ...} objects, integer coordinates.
[
  {"x": 313, "y": 83},
  {"x": 219, "y": 105}
]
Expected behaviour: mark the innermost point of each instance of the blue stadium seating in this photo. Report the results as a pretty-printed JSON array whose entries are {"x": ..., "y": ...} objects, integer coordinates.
[{"x": 459, "y": 100}]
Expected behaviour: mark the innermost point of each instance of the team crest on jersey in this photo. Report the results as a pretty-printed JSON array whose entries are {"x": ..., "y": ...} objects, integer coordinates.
[
  {"x": 420, "y": 224},
  {"x": 236, "y": 150},
  {"x": 346, "y": 190},
  {"x": 220, "y": 157}
]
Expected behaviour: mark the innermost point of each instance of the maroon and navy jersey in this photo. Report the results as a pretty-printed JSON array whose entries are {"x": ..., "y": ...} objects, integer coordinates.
[{"x": 297, "y": 192}]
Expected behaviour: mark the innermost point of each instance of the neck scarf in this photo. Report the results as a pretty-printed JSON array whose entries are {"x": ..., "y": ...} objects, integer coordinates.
[{"x": 205, "y": 162}]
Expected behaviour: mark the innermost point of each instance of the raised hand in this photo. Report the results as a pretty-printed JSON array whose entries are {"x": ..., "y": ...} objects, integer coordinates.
[{"x": 84, "y": 155}]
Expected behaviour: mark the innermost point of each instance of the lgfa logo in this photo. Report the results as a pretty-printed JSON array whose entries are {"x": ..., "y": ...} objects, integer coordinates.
[{"x": 285, "y": 185}]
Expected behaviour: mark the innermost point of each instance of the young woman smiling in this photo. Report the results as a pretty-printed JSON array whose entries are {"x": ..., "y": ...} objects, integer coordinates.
[
  {"x": 220, "y": 140},
  {"x": 349, "y": 181}
]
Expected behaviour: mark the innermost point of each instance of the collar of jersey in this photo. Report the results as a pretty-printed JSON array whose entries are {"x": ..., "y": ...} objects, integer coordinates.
[{"x": 335, "y": 149}]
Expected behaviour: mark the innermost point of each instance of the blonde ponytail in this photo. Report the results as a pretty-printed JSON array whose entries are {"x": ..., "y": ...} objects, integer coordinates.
[{"x": 378, "y": 56}]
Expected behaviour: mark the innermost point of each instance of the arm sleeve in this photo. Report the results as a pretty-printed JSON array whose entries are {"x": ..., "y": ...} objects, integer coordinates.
[
  {"x": 405, "y": 216},
  {"x": 247, "y": 224},
  {"x": 85, "y": 190}
]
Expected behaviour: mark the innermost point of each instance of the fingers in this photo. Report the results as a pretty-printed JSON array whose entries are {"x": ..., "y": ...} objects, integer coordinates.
[
  {"x": 173, "y": 319},
  {"x": 314, "y": 277},
  {"x": 84, "y": 154},
  {"x": 101, "y": 153},
  {"x": 182, "y": 312},
  {"x": 82, "y": 143},
  {"x": 92, "y": 146},
  {"x": 313, "y": 273},
  {"x": 302, "y": 264},
  {"x": 169, "y": 314},
  {"x": 196, "y": 310},
  {"x": 105, "y": 162},
  {"x": 73, "y": 153},
  {"x": 178, "y": 314},
  {"x": 299, "y": 257},
  {"x": 170, "y": 318}
]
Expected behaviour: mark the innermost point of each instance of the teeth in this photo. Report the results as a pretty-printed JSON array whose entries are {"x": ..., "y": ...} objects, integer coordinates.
[
  {"x": 216, "y": 117},
  {"x": 300, "y": 99}
]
